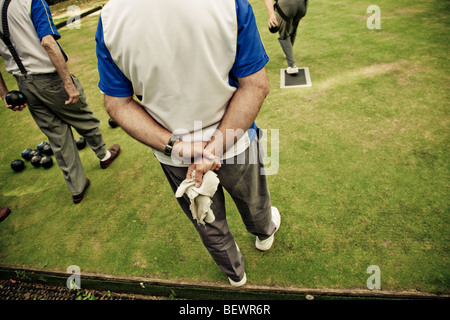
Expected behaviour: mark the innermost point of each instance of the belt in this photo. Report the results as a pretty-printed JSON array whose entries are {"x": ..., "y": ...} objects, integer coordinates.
[
  {"x": 30, "y": 77},
  {"x": 280, "y": 12}
]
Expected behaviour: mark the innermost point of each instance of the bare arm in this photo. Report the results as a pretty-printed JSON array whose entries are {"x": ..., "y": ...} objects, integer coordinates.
[
  {"x": 272, "y": 18},
  {"x": 139, "y": 124},
  {"x": 240, "y": 115},
  {"x": 56, "y": 57},
  {"x": 3, "y": 88},
  {"x": 241, "y": 112},
  {"x": 133, "y": 118}
]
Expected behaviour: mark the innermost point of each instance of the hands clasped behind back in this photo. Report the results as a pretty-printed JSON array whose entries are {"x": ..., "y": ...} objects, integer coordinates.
[{"x": 201, "y": 160}]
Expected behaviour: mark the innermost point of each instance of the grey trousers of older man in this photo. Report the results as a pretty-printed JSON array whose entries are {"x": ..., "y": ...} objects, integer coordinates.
[
  {"x": 46, "y": 98},
  {"x": 243, "y": 179}
]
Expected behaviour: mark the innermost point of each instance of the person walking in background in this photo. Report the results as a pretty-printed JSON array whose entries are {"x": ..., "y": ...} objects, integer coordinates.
[
  {"x": 55, "y": 98},
  {"x": 199, "y": 73},
  {"x": 284, "y": 17}
]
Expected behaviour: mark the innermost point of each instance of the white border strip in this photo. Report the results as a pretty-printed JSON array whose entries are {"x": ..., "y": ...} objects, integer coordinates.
[{"x": 283, "y": 80}]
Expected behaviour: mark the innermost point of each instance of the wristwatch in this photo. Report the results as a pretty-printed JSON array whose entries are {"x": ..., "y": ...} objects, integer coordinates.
[{"x": 169, "y": 146}]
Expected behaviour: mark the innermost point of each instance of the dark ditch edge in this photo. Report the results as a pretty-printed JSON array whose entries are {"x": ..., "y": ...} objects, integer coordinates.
[{"x": 202, "y": 291}]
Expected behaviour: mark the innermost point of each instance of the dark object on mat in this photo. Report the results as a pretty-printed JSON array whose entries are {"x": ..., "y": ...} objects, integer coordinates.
[{"x": 296, "y": 79}]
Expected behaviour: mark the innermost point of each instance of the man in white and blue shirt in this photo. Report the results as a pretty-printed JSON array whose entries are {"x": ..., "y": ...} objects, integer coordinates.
[
  {"x": 198, "y": 69},
  {"x": 55, "y": 98}
]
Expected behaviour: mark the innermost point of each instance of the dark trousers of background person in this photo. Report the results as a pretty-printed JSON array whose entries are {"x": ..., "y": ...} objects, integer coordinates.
[{"x": 294, "y": 10}]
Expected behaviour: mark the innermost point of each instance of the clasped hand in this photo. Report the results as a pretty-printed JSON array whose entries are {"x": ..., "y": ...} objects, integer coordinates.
[{"x": 201, "y": 160}]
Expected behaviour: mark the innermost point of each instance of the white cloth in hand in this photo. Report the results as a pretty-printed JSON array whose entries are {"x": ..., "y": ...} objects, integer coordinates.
[{"x": 200, "y": 197}]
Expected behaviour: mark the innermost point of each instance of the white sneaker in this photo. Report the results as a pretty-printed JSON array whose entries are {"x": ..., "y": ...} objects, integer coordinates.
[
  {"x": 239, "y": 283},
  {"x": 243, "y": 280},
  {"x": 292, "y": 70},
  {"x": 265, "y": 245}
]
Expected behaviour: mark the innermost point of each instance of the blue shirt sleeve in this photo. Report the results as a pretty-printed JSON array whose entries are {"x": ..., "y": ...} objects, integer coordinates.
[
  {"x": 42, "y": 19},
  {"x": 112, "y": 80},
  {"x": 251, "y": 55}
]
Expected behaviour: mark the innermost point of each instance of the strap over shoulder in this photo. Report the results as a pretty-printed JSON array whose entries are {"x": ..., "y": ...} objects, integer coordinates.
[
  {"x": 5, "y": 36},
  {"x": 280, "y": 12}
]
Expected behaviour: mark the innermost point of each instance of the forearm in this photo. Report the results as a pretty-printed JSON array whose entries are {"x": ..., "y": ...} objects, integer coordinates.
[
  {"x": 56, "y": 57},
  {"x": 135, "y": 120},
  {"x": 241, "y": 112},
  {"x": 269, "y": 7},
  {"x": 270, "y": 10},
  {"x": 3, "y": 87}
]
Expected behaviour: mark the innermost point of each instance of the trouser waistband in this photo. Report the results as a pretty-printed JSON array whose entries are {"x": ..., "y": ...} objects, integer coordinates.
[{"x": 34, "y": 76}]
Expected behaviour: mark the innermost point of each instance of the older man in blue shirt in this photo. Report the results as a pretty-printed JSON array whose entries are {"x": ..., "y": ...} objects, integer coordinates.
[{"x": 55, "y": 98}]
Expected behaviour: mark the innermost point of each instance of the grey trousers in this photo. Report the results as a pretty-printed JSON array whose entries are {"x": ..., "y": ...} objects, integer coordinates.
[
  {"x": 248, "y": 189},
  {"x": 45, "y": 98},
  {"x": 295, "y": 10}
]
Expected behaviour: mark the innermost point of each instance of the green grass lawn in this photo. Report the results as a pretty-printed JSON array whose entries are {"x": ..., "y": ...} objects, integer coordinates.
[{"x": 363, "y": 173}]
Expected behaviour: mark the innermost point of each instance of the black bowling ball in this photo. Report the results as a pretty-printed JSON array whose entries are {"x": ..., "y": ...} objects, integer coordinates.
[
  {"x": 274, "y": 29},
  {"x": 46, "y": 162},
  {"x": 36, "y": 161},
  {"x": 41, "y": 146},
  {"x": 112, "y": 123},
  {"x": 15, "y": 98},
  {"x": 47, "y": 150},
  {"x": 17, "y": 165},
  {"x": 34, "y": 153},
  {"x": 26, "y": 154},
  {"x": 81, "y": 143}
]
